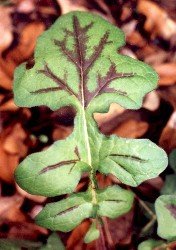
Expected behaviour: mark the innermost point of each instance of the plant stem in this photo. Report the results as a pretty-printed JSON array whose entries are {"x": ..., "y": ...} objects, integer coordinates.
[
  {"x": 148, "y": 225},
  {"x": 144, "y": 205},
  {"x": 150, "y": 212},
  {"x": 93, "y": 184}
]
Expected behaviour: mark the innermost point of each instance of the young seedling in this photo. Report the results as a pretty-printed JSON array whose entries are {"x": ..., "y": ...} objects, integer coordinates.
[{"x": 77, "y": 64}]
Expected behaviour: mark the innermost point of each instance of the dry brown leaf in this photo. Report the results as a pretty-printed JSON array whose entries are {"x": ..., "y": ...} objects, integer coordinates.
[
  {"x": 98, "y": 6},
  {"x": 9, "y": 106},
  {"x": 5, "y": 28},
  {"x": 25, "y": 230},
  {"x": 169, "y": 94},
  {"x": 5, "y": 75},
  {"x": 148, "y": 51},
  {"x": 27, "y": 43},
  {"x": 158, "y": 56},
  {"x": 10, "y": 209},
  {"x": 151, "y": 101},
  {"x": 26, "y": 6},
  {"x": 22, "y": 52},
  {"x": 167, "y": 73},
  {"x": 103, "y": 118},
  {"x": 119, "y": 230},
  {"x": 13, "y": 143},
  {"x": 131, "y": 129},
  {"x": 151, "y": 188},
  {"x": 168, "y": 137},
  {"x": 68, "y": 5},
  {"x": 11, "y": 149},
  {"x": 129, "y": 28},
  {"x": 61, "y": 132},
  {"x": 76, "y": 238},
  {"x": 135, "y": 38},
  {"x": 158, "y": 23}
]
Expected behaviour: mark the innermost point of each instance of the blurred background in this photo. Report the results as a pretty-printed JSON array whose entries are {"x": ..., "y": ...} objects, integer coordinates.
[{"x": 150, "y": 29}]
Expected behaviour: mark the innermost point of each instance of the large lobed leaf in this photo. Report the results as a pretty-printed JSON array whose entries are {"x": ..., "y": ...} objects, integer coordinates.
[{"x": 73, "y": 66}]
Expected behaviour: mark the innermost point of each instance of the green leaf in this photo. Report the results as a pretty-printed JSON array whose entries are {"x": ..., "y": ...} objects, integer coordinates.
[
  {"x": 114, "y": 197},
  {"x": 150, "y": 244},
  {"x": 131, "y": 160},
  {"x": 172, "y": 160},
  {"x": 68, "y": 213},
  {"x": 53, "y": 243},
  {"x": 169, "y": 185},
  {"x": 92, "y": 234},
  {"x": 73, "y": 67},
  {"x": 50, "y": 173},
  {"x": 68, "y": 71},
  {"x": 165, "y": 207}
]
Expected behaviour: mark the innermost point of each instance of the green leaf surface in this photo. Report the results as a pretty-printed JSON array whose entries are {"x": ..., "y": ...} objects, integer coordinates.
[
  {"x": 53, "y": 243},
  {"x": 92, "y": 234},
  {"x": 68, "y": 213},
  {"x": 165, "y": 207},
  {"x": 172, "y": 160},
  {"x": 169, "y": 185},
  {"x": 114, "y": 201},
  {"x": 150, "y": 244},
  {"x": 73, "y": 67},
  {"x": 69, "y": 72},
  {"x": 58, "y": 171},
  {"x": 131, "y": 160}
]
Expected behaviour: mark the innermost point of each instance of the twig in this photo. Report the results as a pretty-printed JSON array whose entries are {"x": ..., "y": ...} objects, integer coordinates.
[{"x": 150, "y": 212}]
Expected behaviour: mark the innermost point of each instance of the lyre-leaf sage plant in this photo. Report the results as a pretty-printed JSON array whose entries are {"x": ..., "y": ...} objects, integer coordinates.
[{"x": 77, "y": 64}]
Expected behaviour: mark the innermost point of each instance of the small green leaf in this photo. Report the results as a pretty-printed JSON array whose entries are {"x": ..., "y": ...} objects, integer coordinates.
[
  {"x": 169, "y": 185},
  {"x": 165, "y": 207},
  {"x": 114, "y": 201},
  {"x": 59, "y": 172},
  {"x": 172, "y": 160},
  {"x": 150, "y": 244},
  {"x": 53, "y": 243},
  {"x": 92, "y": 234},
  {"x": 66, "y": 214},
  {"x": 131, "y": 160}
]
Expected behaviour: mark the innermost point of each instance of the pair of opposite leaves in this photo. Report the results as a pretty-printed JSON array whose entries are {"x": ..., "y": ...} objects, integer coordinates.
[{"x": 77, "y": 64}]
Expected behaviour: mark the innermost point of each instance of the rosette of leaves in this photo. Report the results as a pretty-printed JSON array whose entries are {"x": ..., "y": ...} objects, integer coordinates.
[{"x": 77, "y": 64}]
